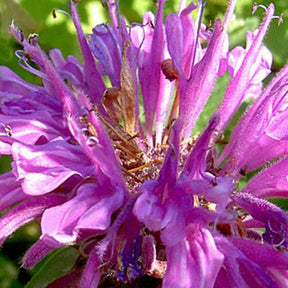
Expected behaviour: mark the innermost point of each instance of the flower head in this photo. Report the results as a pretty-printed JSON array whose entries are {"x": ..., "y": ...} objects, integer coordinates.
[{"x": 148, "y": 198}]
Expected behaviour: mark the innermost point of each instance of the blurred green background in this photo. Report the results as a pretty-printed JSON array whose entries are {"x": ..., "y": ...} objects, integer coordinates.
[{"x": 34, "y": 16}]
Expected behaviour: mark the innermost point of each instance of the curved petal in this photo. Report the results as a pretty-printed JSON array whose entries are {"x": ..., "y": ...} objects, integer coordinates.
[
  {"x": 91, "y": 208},
  {"x": 194, "y": 262},
  {"x": 43, "y": 168},
  {"x": 26, "y": 212}
]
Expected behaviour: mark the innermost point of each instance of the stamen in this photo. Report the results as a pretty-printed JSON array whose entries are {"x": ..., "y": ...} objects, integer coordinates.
[
  {"x": 7, "y": 128},
  {"x": 92, "y": 141},
  {"x": 23, "y": 57},
  {"x": 85, "y": 132},
  {"x": 83, "y": 112},
  {"x": 60, "y": 10},
  {"x": 134, "y": 136},
  {"x": 199, "y": 20},
  {"x": 33, "y": 39},
  {"x": 173, "y": 114},
  {"x": 210, "y": 27},
  {"x": 243, "y": 171},
  {"x": 280, "y": 19},
  {"x": 256, "y": 6},
  {"x": 273, "y": 225},
  {"x": 54, "y": 14},
  {"x": 20, "y": 54},
  {"x": 279, "y": 243}
]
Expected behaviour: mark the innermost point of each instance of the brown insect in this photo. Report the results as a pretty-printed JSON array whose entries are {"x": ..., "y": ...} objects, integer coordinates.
[
  {"x": 131, "y": 155},
  {"x": 119, "y": 104},
  {"x": 228, "y": 229}
]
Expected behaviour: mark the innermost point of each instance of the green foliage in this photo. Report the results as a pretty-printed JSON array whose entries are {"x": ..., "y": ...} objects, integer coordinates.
[
  {"x": 55, "y": 265},
  {"x": 277, "y": 37},
  {"x": 8, "y": 273},
  {"x": 280, "y": 202},
  {"x": 5, "y": 163}
]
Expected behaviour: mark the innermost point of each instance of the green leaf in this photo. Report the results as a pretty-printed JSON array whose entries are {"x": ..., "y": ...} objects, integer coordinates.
[
  {"x": 5, "y": 161},
  {"x": 276, "y": 40},
  {"x": 8, "y": 273},
  {"x": 57, "y": 264},
  {"x": 280, "y": 202}
]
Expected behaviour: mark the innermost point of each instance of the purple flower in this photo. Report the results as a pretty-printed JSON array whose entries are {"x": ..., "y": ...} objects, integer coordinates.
[{"x": 145, "y": 197}]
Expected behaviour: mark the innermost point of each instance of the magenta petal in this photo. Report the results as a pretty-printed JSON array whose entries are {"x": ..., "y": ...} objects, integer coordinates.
[
  {"x": 148, "y": 207},
  {"x": 59, "y": 222},
  {"x": 196, "y": 164},
  {"x": 175, "y": 40},
  {"x": 153, "y": 206},
  {"x": 52, "y": 81},
  {"x": 11, "y": 191},
  {"x": 275, "y": 220},
  {"x": 270, "y": 149},
  {"x": 30, "y": 128},
  {"x": 220, "y": 192},
  {"x": 13, "y": 85},
  {"x": 175, "y": 226},
  {"x": 240, "y": 271},
  {"x": 43, "y": 168},
  {"x": 91, "y": 208},
  {"x": 189, "y": 215},
  {"x": 262, "y": 254},
  {"x": 98, "y": 216},
  {"x": 70, "y": 69},
  {"x": 32, "y": 103},
  {"x": 241, "y": 81},
  {"x": 193, "y": 262},
  {"x": 107, "y": 49},
  {"x": 260, "y": 69},
  {"x": 250, "y": 132},
  {"x": 150, "y": 73},
  {"x": 26, "y": 212},
  {"x": 192, "y": 95},
  {"x": 181, "y": 43},
  {"x": 158, "y": 213},
  {"x": 189, "y": 45},
  {"x": 91, "y": 274},
  {"x": 276, "y": 130},
  {"x": 92, "y": 77},
  {"x": 271, "y": 182}
]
